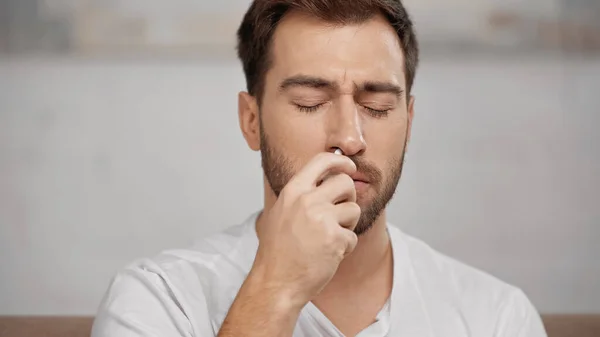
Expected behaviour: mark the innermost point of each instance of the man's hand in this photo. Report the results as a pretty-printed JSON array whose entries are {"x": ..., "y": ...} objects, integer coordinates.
[
  {"x": 302, "y": 241},
  {"x": 309, "y": 230}
]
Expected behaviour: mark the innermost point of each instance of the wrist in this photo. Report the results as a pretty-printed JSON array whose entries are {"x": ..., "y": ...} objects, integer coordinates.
[
  {"x": 283, "y": 297},
  {"x": 261, "y": 309}
]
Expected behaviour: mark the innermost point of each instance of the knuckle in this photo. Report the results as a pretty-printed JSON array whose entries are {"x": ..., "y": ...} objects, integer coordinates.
[
  {"x": 316, "y": 217},
  {"x": 347, "y": 180},
  {"x": 353, "y": 241},
  {"x": 351, "y": 164},
  {"x": 354, "y": 208},
  {"x": 304, "y": 201},
  {"x": 353, "y": 237},
  {"x": 314, "y": 213},
  {"x": 331, "y": 236}
]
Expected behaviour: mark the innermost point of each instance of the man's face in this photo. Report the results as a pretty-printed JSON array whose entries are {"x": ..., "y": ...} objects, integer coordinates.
[{"x": 336, "y": 86}]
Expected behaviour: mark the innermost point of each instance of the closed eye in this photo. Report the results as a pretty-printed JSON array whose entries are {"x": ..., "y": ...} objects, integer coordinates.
[
  {"x": 313, "y": 108},
  {"x": 308, "y": 108},
  {"x": 376, "y": 112}
]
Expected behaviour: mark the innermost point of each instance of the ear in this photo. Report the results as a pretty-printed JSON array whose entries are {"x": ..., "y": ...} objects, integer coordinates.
[
  {"x": 411, "y": 114},
  {"x": 248, "y": 114}
]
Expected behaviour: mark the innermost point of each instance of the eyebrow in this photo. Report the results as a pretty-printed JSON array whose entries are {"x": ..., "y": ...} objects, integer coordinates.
[
  {"x": 381, "y": 87},
  {"x": 307, "y": 81},
  {"x": 321, "y": 83}
]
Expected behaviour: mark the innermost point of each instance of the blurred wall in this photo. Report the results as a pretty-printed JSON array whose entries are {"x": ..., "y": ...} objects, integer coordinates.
[
  {"x": 119, "y": 138},
  {"x": 105, "y": 161}
]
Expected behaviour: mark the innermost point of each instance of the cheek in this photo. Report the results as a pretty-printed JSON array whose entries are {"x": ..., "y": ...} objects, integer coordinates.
[
  {"x": 385, "y": 136},
  {"x": 385, "y": 144},
  {"x": 298, "y": 135}
]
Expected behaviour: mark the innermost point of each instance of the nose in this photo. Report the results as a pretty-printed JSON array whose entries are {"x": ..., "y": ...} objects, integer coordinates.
[{"x": 346, "y": 129}]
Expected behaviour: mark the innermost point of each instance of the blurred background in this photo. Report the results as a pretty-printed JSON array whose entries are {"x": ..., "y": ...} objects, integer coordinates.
[{"x": 119, "y": 138}]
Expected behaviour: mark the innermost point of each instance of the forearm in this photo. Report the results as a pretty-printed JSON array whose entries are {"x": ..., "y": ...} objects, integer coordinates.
[{"x": 260, "y": 310}]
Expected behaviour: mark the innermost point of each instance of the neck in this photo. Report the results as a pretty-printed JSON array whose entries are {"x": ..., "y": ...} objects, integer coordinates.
[
  {"x": 372, "y": 256},
  {"x": 372, "y": 253}
]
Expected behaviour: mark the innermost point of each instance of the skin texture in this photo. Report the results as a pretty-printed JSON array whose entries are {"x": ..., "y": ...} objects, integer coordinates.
[{"x": 329, "y": 86}]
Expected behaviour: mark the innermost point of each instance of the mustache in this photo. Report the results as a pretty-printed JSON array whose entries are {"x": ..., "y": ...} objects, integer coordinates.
[{"x": 369, "y": 170}]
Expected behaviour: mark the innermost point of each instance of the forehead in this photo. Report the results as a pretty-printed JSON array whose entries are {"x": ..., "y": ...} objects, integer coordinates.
[{"x": 366, "y": 51}]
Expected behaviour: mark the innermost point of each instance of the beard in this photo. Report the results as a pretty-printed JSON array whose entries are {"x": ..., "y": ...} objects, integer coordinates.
[{"x": 279, "y": 170}]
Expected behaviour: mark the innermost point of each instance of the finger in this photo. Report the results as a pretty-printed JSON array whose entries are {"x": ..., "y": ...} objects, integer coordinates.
[
  {"x": 347, "y": 214},
  {"x": 316, "y": 169},
  {"x": 336, "y": 189},
  {"x": 351, "y": 240}
]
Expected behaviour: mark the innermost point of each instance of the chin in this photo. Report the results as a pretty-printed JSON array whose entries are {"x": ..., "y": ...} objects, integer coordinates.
[{"x": 362, "y": 228}]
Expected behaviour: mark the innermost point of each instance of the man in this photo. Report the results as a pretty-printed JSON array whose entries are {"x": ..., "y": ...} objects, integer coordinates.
[{"x": 329, "y": 107}]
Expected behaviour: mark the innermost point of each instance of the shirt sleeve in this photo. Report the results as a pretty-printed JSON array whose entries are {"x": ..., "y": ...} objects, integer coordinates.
[
  {"x": 139, "y": 302},
  {"x": 519, "y": 318}
]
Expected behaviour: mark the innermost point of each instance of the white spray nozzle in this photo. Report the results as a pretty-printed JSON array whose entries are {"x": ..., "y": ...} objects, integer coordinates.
[{"x": 338, "y": 151}]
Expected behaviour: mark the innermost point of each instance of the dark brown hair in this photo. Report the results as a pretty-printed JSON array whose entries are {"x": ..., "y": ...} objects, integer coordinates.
[{"x": 256, "y": 31}]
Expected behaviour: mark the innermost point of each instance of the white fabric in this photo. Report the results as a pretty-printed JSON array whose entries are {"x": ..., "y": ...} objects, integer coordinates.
[{"x": 188, "y": 293}]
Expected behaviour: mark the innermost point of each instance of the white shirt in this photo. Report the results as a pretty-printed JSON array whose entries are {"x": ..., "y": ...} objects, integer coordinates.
[{"x": 188, "y": 292}]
